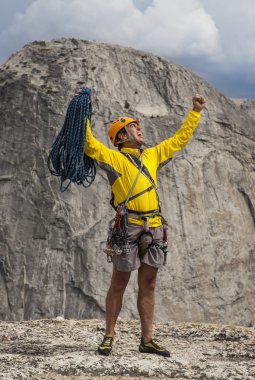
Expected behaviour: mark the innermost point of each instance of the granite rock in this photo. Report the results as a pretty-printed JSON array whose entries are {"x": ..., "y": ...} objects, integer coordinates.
[
  {"x": 51, "y": 243},
  {"x": 67, "y": 350}
]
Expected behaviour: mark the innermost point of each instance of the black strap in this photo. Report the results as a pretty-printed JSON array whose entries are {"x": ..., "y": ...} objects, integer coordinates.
[
  {"x": 156, "y": 212},
  {"x": 132, "y": 198},
  {"x": 135, "y": 161},
  {"x": 141, "y": 193}
]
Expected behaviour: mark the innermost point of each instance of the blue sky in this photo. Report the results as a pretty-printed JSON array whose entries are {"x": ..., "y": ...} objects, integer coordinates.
[{"x": 213, "y": 38}]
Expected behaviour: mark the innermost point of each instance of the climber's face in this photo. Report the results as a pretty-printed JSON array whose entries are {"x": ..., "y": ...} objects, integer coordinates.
[{"x": 135, "y": 131}]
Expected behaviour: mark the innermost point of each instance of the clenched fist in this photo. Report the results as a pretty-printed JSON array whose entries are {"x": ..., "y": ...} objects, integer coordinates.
[{"x": 198, "y": 102}]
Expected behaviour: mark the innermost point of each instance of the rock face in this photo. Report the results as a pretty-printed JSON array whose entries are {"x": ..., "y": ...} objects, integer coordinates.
[
  {"x": 246, "y": 105},
  {"x": 51, "y": 243},
  {"x": 67, "y": 350}
]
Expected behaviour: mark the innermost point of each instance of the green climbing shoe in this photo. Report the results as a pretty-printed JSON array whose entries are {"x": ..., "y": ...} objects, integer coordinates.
[
  {"x": 105, "y": 347},
  {"x": 153, "y": 348}
]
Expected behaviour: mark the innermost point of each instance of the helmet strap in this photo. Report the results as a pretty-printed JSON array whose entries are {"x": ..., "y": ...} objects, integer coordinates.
[{"x": 130, "y": 138}]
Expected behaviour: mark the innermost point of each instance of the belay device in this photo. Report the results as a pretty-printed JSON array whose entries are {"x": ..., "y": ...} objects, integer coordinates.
[{"x": 67, "y": 158}]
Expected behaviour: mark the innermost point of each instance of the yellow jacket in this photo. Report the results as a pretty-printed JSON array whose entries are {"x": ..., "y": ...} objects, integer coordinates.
[{"x": 122, "y": 173}]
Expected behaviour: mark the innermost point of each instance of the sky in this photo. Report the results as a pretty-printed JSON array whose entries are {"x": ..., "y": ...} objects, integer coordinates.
[{"x": 213, "y": 38}]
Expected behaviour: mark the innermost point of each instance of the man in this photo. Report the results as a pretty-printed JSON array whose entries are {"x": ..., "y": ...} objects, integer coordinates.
[{"x": 132, "y": 175}]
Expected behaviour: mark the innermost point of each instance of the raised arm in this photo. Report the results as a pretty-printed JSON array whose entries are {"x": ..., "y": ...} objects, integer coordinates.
[
  {"x": 93, "y": 148},
  {"x": 166, "y": 149},
  {"x": 108, "y": 159}
]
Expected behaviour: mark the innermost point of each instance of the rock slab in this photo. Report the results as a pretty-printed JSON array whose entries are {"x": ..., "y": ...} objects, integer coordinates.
[
  {"x": 51, "y": 243},
  {"x": 67, "y": 349}
]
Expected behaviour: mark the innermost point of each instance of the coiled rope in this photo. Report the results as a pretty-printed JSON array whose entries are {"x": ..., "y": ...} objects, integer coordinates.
[{"x": 67, "y": 158}]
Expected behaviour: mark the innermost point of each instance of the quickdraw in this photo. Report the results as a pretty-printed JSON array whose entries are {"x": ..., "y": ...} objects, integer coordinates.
[
  {"x": 117, "y": 236},
  {"x": 164, "y": 246}
]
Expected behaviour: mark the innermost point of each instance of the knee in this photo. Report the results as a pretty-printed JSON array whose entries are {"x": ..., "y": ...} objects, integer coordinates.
[
  {"x": 147, "y": 285},
  {"x": 119, "y": 284}
]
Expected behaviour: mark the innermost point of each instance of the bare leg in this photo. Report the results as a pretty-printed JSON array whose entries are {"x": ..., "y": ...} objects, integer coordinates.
[
  {"x": 146, "y": 299},
  {"x": 114, "y": 299}
]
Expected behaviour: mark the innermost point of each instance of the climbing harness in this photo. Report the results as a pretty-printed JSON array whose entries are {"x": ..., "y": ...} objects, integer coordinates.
[
  {"x": 136, "y": 162},
  {"x": 117, "y": 237},
  {"x": 145, "y": 239},
  {"x": 67, "y": 158},
  {"x": 142, "y": 169}
]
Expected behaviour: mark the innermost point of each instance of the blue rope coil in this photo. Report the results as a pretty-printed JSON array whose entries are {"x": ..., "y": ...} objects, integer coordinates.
[{"x": 67, "y": 158}]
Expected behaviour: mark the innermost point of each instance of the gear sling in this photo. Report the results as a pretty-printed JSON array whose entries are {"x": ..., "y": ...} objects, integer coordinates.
[{"x": 118, "y": 231}]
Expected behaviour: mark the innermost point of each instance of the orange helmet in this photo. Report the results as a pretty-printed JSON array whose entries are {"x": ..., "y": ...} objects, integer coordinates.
[{"x": 117, "y": 125}]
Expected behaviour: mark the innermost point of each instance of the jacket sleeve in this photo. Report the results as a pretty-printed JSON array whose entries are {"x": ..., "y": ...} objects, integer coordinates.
[
  {"x": 164, "y": 151},
  {"x": 93, "y": 148},
  {"x": 107, "y": 159}
]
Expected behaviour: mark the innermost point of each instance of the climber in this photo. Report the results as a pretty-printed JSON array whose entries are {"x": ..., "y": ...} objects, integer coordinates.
[{"x": 136, "y": 238}]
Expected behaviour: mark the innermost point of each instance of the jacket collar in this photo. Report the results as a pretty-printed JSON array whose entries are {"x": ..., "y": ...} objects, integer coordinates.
[{"x": 133, "y": 151}]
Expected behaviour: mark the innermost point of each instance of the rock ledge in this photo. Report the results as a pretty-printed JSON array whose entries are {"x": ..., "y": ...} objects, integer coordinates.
[{"x": 66, "y": 349}]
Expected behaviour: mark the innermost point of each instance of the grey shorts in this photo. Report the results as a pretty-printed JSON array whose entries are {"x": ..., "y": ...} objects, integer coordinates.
[{"x": 138, "y": 252}]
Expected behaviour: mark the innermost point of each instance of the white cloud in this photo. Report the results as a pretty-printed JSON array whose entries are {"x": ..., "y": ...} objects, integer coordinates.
[
  {"x": 212, "y": 37},
  {"x": 175, "y": 28},
  {"x": 235, "y": 22},
  {"x": 161, "y": 26}
]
